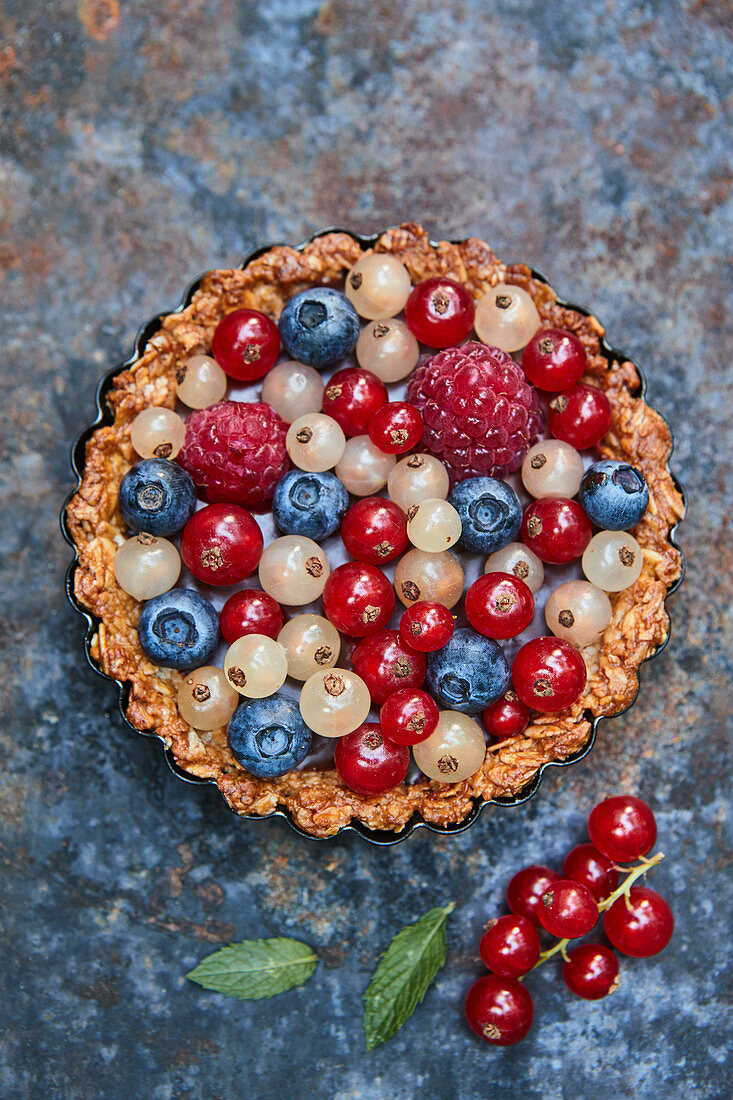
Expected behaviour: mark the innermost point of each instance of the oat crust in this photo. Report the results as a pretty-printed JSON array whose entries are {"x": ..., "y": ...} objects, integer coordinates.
[{"x": 317, "y": 801}]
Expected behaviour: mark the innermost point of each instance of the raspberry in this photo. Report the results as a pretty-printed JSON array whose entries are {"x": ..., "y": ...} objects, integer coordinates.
[
  {"x": 481, "y": 415},
  {"x": 236, "y": 452}
]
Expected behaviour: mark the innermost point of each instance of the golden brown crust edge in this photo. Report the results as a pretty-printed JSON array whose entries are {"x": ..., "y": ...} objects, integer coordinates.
[{"x": 316, "y": 800}]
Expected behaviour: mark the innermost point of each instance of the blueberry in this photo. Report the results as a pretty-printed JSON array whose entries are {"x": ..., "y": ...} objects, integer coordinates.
[
  {"x": 490, "y": 511},
  {"x": 179, "y": 629},
  {"x": 468, "y": 673},
  {"x": 319, "y": 326},
  {"x": 156, "y": 496},
  {"x": 309, "y": 504},
  {"x": 613, "y": 495},
  {"x": 268, "y": 737}
]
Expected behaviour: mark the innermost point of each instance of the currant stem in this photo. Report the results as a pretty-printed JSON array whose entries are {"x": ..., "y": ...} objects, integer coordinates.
[{"x": 632, "y": 874}]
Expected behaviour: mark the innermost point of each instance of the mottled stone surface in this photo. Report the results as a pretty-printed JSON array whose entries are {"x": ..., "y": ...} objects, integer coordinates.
[{"x": 143, "y": 143}]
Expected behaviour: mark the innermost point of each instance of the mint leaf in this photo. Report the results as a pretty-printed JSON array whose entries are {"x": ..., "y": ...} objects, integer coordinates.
[
  {"x": 404, "y": 975},
  {"x": 255, "y": 968}
]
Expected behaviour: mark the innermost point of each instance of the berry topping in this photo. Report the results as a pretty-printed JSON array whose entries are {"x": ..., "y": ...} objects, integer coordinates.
[
  {"x": 554, "y": 359},
  {"x": 221, "y": 544},
  {"x": 250, "y": 612},
  {"x": 614, "y": 495},
  {"x": 549, "y": 674},
  {"x": 386, "y": 665},
  {"x": 490, "y": 511},
  {"x": 353, "y": 397},
  {"x": 157, "y": 497},
  {"x": 481, "y": 416},
  {"x": 580, "y": 416},
  {"x": 246, "y": 344},
  {"x": 311, "y": 504},
  {"x": 440, "y": 312},
  {"x": 319, "y": 326},
  {"x": 454, "y": 751},
  {"x": 179, "y": 629},
  {"x": 507, "y": 717},
  {"x": 408, "y": 716},
  {"x": 499, "y": 605},
  {"x": 374, "y": 530},
  {"x": 468, "y": 673},
  {"x": 311, "y": 643},
  {"x": 378, "y": 286},
  {"x": 368, "y": 763},
  {"x": 396, "y": 428},
  {"x": 427, "y": 626},
  {"x": 268, "y": 737},
  {"x": 235, "y": 452},
  {"x": 557, "y": 530},
  {"x": 358, "y": 599},
  {"x": 506, "y": 317}
]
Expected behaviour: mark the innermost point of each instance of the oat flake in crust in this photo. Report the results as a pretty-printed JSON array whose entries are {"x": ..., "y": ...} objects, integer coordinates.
[{"x": 317, "y": 801}]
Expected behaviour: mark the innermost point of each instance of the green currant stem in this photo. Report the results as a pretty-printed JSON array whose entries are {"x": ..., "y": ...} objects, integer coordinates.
[{"x": 632, "y": 874}]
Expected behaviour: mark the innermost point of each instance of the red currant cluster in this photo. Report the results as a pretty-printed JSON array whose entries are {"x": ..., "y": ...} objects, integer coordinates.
[
  {"x": 637, "y": 921},
  {"x": 474, "y": 413}
]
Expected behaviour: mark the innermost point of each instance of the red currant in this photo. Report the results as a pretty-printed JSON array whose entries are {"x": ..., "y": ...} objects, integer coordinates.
[
  {"x": 581, "y": 416},
  {"x": 440, "y": 312},
  {"x": 549, "y": 674},
  {"x": 352, "y": 397},
  {"x": 622, "y": 828},
  {"x": 408, "y": 716},
  {"x": 221, "y": 544},
  {"x": 591, "y": 971},
  {"x": 643, "y": 927},
  {"x": 557, "y": 530},
  {"x": 554, "y": 359},
  {"x": 427, "y": 626},
  {"x": 250, "y": 612},
  {"x": 587, "y": 865},
  {"x": 568, "y": 909},
  {"x": 368, "y": 763},
  {"x": 374, "y": 530},
  {"x": 499, "y": 1010},
  {"x": 386, "y": 664},
  {"x": 499, "y": 605},
  {"x": 510, "y": 946},
  {"x": 396, "y": 428},
  {"x": 527, "y": 887},
  {"x": 358, "y": 599},
  {"x": 246, "y": 344},
  {"x": 507, "y": 717}
]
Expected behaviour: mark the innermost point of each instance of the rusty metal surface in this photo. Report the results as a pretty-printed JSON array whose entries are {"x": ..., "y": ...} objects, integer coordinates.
[{"x": 144, "y": 142}]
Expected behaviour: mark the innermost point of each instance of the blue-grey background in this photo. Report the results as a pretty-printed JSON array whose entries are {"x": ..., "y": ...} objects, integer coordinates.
[{"x": 142, "y": 144}]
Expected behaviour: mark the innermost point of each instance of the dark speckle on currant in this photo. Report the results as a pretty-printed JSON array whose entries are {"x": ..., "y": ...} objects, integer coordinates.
[
  {"x": 319, "y": 326},
  {"x": 179, "y": 629}
]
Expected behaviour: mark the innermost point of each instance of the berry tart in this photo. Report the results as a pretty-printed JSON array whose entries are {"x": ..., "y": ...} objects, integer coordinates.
[{"x": 372, "y": 531}]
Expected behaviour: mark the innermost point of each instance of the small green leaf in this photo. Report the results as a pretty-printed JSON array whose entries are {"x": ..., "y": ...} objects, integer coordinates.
[
  {"x": 404, "y": 975},
  {"x": 255, "y": 968}
]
